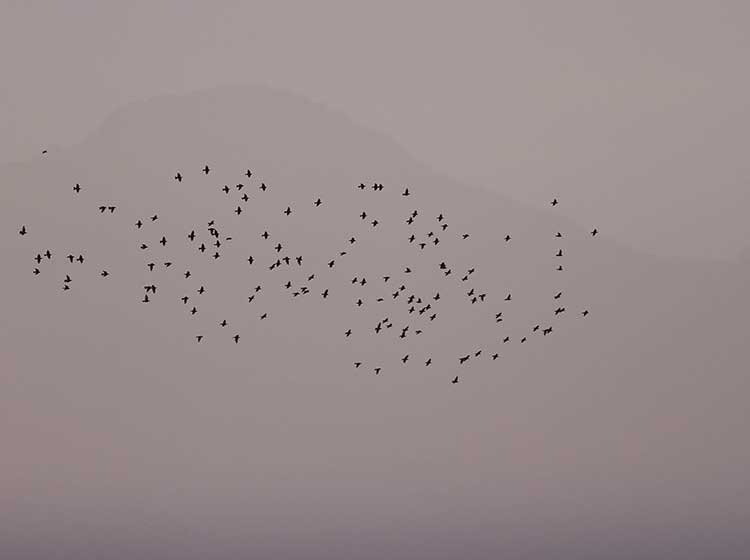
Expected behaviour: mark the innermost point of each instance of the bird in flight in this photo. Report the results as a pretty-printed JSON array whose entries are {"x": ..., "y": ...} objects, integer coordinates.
[
  {"x": 206, "y": 170},
  {"x": 178, "y": 177},
  {"x": 554, "y": 202},
  {"x": 594, "y": 231},
  {"x": 77, "y": 188},
  {"x": 455, "y": 380}
]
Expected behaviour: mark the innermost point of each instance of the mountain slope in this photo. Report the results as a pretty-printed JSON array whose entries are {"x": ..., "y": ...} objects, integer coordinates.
[{"x": 619, "y": 420}]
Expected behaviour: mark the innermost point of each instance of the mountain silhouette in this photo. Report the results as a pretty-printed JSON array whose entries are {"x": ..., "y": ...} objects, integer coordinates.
[{"x": 654, "y": 375}]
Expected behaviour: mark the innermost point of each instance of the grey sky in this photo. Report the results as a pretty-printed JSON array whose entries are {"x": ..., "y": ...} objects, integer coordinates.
[
  {"x": 631, "y": 112},
  {"x": 622, "y": 435}
]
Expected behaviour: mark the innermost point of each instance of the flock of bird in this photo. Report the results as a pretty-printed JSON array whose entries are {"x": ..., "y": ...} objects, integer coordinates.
[{"x": 420, "y": 310}]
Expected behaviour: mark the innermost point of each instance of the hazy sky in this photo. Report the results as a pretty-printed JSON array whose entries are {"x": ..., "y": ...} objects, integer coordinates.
[
  {"x": 635, "y": 114},
  {"x": 621, "y": 435}
]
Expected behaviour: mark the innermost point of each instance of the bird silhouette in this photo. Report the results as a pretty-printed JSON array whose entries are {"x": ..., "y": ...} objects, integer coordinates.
[
  {"x": 206, "y": 170},
  {"x": 178, "y": 177},
  {"x": 455, "y": 380},
  {"x": 77, "y": 188}
]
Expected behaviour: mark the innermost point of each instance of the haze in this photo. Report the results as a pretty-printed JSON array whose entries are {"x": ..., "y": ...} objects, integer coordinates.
[
  {"x": 633, "y": 111},
  {"x": 621, "y": 435}
]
